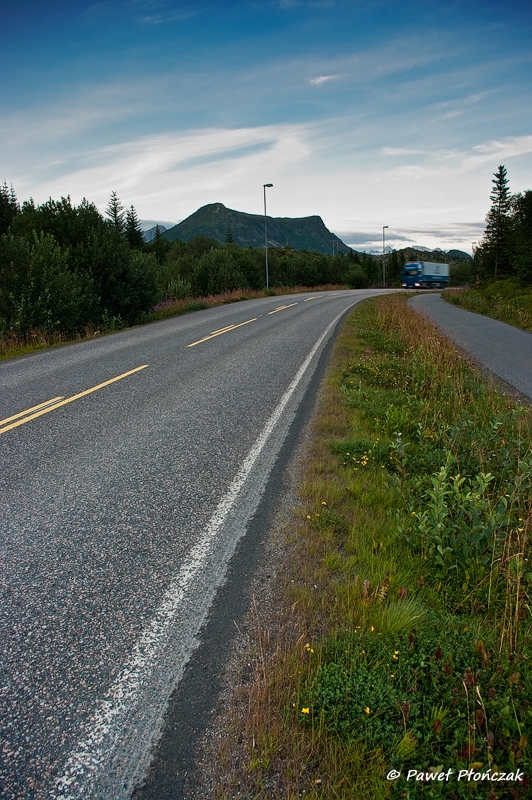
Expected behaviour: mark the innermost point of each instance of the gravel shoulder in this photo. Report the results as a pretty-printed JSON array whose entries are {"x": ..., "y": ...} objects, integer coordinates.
[{"x": 223, "y": 752}]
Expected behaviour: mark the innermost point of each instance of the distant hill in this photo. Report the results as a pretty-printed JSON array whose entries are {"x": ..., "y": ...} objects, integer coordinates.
[
  {"x": 420, "y": 253},
  {"x": 458, "y": 255},
  {"x": 247, "y": 230}
]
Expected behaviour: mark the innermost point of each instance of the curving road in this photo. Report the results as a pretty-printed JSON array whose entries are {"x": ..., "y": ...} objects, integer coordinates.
[
  {"x": 503, "y": 349},
  {"x": 130, "y": 466}
]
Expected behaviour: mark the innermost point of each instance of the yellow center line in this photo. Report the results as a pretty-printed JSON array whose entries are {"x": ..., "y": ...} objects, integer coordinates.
[
  {"x": 310, "y": 298},
  {"x": 222, "y": 330},
  {"x": 29, "y": 410},
  {"x": 281, "y": 308},
  {"x": 68, "y": 400}
]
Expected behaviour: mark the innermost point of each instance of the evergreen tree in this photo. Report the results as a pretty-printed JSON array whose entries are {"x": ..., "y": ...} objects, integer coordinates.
[
  {"x": 496, "y": 243},
  {"x": 9, "y": 207},
  {"x": 115, "y": 212},
  {"x": 522, "y": 236},
  {"x": 393, "y": 269},
  {"x": 134, "y": 233},
  {"x": 159, "y": 245},
  {"x": 229, "y": 236}
]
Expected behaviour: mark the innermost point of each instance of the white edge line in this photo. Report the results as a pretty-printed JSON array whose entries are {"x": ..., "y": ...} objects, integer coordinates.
[{"x": 89, "y": 755}]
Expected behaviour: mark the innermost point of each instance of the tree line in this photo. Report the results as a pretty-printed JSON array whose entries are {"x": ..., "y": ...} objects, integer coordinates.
[
  {"x": 506, "y": 248},
  {"x": 64, "y": 267}
]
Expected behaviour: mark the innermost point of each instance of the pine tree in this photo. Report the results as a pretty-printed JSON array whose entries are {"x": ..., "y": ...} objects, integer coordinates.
[
  {"x": 496, "y": 244},
  {"x": 134, "y": 234},
  {"x": 9, "y": 207},
  {"x": 522, "y": 236},
  {"x": 159, "y": 245},
  {"x": 115, "y": 212}
]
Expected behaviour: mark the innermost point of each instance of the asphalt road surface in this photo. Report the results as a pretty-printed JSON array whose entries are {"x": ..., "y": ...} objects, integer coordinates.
[
  {"x": 130, "y": 466},
  {"x": 503, "y": 349}
]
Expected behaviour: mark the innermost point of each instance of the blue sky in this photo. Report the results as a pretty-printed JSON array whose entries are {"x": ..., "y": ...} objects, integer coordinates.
[{"x": 366, "y": 112}]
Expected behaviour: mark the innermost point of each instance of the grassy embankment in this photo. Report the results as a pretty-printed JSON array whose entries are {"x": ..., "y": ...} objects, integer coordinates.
[
  {"x": 506, "y": 300},
  {"x": 15, "y": 344},
  {"x": 403, "y": 637}
]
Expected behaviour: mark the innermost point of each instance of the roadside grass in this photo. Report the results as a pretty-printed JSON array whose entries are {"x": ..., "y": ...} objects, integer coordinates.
[
  {"x": 402, "y": 639},
  {"x": 14, "y": 344},
  {"x": 505, "y": 299}
]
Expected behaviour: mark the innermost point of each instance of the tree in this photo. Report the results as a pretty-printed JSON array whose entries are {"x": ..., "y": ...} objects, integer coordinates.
[
  {"x": 133, "y": 230},
  {"x": 496, "y": 244},
  {"x": 158, "y": 245},
  {"x": 9, "y": 207},
  {"x": 115, "y": 212},
  {"x": 229, "y": 236},
  {"x": 217, "y": 271},
  {"x": 522, "y": 236}
]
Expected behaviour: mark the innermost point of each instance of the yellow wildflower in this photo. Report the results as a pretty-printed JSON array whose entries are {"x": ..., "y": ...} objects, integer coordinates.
[{"x": 305, "y": 710}]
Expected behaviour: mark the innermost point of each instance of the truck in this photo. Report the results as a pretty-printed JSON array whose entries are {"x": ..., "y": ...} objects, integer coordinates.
[{"x": 425, "y": 275}]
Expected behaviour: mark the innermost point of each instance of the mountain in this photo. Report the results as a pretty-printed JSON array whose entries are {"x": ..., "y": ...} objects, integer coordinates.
[{"x": 247, "y": 230}]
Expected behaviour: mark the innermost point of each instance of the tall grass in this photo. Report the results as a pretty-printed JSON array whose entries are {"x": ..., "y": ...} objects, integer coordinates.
[{"x": 402, "y": 638}]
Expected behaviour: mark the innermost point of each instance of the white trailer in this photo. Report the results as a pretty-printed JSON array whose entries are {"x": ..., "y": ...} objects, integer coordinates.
[{"x": 425, "y": 275}]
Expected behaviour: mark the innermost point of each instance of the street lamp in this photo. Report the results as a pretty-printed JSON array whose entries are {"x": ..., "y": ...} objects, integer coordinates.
[
  {"x": 266, "y": 186},
  {"x": 383, "y": 257}
]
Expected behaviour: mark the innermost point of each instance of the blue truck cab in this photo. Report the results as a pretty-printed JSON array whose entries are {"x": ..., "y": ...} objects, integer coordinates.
[{"x": 425, "y": 275}]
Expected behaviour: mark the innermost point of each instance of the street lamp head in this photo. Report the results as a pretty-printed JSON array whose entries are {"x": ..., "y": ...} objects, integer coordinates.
[
  {"x": 384, "y": 226},
  {"x": 267, "y": 184}
]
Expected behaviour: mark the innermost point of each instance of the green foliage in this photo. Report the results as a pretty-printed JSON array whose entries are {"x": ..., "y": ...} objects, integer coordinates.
[
  {"x": 217, "y": 272},
  {"x": 461, "y": 273},
  {"x": 435, "y": 694},
  {"x": 430, "y": 664},
  {"x": 178, "y": 289},
  {"x": 37, "y": 289},
  {"x": 356, "y": 278},
  {"x": 63, "y": 267}
]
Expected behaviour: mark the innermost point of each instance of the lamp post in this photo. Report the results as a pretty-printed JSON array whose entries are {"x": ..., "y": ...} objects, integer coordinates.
[
  {"x": 266, "y": 186},
  {"x": 383, "y": 257}
]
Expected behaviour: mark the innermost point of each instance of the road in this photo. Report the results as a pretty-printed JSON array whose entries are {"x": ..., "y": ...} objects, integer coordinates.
[
  {"x": 130, "y": 467},
  {"x": 503, "y": 349}
]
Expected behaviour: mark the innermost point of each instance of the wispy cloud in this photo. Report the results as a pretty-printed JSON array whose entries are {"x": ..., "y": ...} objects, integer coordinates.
[
  {"x": 218, "y": 162},
  {"x": 444, "y": 161},
  {"x": 400, "y": 151},
  {"x": 508, "y": 147},
  {"x": 321, "y": 79},
  {"x": 459, "y": 106}
]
